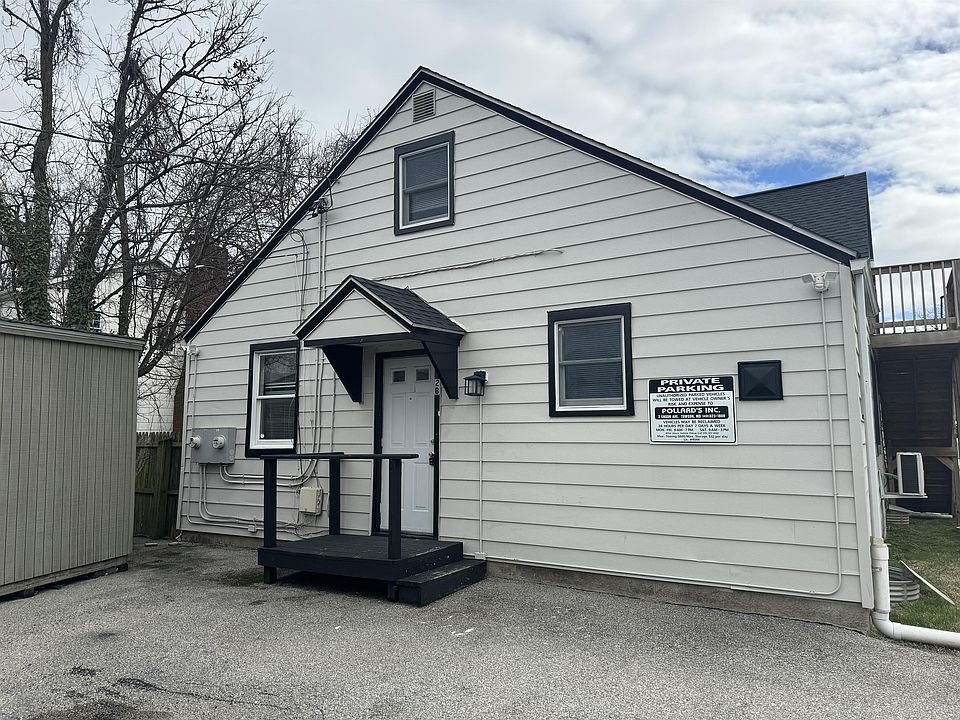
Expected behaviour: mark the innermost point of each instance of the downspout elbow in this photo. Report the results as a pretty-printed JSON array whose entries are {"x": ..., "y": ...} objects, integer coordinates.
[
  {"x": 880, "y": 563},
  {"x": 912, "y": 633}
]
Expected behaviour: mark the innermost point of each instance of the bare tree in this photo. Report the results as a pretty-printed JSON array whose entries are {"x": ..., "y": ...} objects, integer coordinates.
[
  {"x": 168, "y": 177},
  {"x": 171, "y": 84},
  {"x": 28, "y": 235}
]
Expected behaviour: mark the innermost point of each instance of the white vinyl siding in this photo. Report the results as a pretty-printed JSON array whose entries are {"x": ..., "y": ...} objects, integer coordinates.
[
  {"x": 707, "y": 290},
  {"x": 356, "y": 316}
]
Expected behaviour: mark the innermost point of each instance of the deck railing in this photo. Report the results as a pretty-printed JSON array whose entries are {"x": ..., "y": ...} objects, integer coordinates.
[
  {"x": 917, "y": 297},
  {"x": 394, "y": 479}
]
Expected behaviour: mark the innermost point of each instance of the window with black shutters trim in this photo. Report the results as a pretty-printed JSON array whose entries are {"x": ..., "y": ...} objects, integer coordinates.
[
  {"x": 590, "y": 361},
  {"x": 273, "y": 401},
  {"x": 424, "y": 184}
]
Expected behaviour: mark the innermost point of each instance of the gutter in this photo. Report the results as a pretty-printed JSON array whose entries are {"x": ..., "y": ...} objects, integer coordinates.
[{"x": 879, "y": 550}]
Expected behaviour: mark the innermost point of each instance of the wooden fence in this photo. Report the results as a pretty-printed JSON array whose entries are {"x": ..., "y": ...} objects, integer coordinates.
[{"x": 158, "y": 479}]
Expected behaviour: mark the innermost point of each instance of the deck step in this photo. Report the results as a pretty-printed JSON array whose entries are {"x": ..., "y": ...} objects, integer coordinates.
[
  {"x": 429, "y": 585},
  {"x": 362, "y": 556}
]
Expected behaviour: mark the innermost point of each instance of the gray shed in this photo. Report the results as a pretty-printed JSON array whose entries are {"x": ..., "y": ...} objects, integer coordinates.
[{"x": 67, "y": 453}]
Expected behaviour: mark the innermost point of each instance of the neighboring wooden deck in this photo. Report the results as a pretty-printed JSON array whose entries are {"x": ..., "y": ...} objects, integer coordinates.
[
  {"x": 917, "y": 388},
  {"x": 917, "y": 303},
  {"x": 916, "y": 348}
]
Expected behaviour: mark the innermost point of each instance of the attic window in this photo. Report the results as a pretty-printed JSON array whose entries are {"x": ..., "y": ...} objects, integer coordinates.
[
  {"x": 424, "y": 105},
  {"x": 423, "y": 176}
]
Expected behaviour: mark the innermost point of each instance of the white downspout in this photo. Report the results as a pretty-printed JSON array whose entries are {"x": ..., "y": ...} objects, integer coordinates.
[
  {"x": 480, "y": 554},
  {"x": 880, "y": 562},
  {"x": 879, "y": 551},
  {"x": 861, "y": 274}
]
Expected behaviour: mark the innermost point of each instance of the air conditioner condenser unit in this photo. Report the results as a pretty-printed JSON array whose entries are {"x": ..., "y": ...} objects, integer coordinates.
[{"x": 909, "y": 477}]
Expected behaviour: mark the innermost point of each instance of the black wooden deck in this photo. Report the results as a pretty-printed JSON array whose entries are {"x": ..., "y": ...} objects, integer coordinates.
[
  {"x": 362, "y": 556},
  {"x": 388, "y": 558}
]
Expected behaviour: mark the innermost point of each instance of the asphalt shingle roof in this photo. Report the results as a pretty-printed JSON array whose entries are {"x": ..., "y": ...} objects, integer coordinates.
[
  {"x": 410, "y": 305},
  {"x": 836, "y": 208}
]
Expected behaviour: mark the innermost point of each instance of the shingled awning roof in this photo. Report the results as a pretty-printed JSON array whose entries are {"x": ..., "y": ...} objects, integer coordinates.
[
  {"x": 836, "y": 208},
  {"x": 402, "y": 316}
]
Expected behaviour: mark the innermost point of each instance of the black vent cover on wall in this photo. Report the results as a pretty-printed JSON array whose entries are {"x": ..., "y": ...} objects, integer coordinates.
[{"x": 760, "y": 380}]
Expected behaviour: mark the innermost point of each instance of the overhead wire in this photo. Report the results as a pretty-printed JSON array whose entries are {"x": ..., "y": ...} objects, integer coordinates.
[{"x": 166, "y": 153}]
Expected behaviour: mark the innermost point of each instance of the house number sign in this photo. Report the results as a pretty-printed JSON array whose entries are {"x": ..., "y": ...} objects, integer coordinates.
[{"x": 693, "y": 410}]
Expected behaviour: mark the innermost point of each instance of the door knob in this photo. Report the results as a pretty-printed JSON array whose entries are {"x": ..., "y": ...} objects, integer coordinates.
[{"x": 432, "y": 458}]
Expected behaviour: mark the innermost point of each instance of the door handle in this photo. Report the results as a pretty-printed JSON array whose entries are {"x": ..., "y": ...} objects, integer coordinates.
[{"x": 432, "y": 458}]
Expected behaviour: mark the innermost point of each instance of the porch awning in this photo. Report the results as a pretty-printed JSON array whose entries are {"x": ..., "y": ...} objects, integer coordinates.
[{"x": 364, "y": 312}]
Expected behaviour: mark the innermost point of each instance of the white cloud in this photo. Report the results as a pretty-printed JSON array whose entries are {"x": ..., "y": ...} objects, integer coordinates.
[
  {"x": 720, "y": 92},
  {"x": 734, "y": 94}
]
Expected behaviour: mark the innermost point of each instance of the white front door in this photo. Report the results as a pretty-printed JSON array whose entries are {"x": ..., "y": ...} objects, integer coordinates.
[{"x": 408, "y": 390}]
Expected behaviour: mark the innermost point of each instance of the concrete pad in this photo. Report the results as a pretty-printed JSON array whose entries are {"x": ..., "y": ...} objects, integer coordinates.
[{"x": 191, "y": 632}]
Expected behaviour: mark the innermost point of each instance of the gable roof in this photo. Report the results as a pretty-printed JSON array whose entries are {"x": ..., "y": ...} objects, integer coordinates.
[
  {"x": 401, "y": 304},
  {"x": 691, "y": 189},
  {"x": 837, "y": 208}
]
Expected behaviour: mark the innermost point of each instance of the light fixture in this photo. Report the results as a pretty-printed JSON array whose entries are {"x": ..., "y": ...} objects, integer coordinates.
[{"x": 473, "y": 384}]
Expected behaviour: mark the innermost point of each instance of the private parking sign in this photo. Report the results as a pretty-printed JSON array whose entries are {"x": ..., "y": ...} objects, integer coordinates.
[{"x": 693, "y": 410}]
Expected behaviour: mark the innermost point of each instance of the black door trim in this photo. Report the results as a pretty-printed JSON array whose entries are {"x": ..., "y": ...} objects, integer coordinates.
[{"x": 378, "y": 442}]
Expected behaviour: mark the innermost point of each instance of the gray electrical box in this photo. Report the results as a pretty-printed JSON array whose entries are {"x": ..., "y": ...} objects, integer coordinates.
[{"x": 213, "y": 445}]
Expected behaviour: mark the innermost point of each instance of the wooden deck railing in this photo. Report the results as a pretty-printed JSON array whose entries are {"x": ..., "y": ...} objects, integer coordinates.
[
  {"x": 394, "y": 479},
  {"x": 917, "y": 297}
]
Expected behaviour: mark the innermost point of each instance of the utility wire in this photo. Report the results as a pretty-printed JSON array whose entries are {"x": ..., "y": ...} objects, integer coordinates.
[
  {"x": 248, "y": 225},
  {"x": 167, "y": 153}
]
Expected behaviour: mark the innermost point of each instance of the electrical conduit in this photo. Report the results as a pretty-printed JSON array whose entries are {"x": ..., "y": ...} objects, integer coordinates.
[{"x": 295, "y": 481}]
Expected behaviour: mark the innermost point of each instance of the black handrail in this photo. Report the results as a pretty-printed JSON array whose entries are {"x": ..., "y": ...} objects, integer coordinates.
[{"x": 394, "y": 478}]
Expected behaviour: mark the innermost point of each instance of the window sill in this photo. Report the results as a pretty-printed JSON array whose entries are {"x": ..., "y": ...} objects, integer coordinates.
[
  {"x": 573, "y": 412},
  {"x": 422, "y": 226},
  {"x": 256, "y": 452}
]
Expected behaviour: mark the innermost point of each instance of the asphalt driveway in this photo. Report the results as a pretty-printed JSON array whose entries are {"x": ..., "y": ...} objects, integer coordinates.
[{"x": 190, "y": 632}]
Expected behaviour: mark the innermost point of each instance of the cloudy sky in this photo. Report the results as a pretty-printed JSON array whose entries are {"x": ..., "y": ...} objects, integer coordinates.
[{"x": 741, "y": 95}]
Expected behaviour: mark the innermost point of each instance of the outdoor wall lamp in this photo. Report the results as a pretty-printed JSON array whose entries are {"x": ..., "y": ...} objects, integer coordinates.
[{"x": 473, "y": 384}]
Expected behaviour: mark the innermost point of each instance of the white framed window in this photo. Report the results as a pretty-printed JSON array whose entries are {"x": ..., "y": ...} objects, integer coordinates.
[
  {"x": 272, "y": 405},
  {"x": 590, "y": 361},
  {"x": 424, "y": 184}
]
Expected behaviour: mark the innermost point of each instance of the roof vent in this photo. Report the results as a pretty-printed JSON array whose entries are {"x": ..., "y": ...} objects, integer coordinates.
[{"x": 424, "y": 105}]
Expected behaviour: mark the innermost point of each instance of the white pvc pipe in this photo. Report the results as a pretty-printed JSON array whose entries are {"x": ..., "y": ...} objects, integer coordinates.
[
  {"x": 185, "y": 418},
  {"x": 880, "y": 563},
  {"x": 480, "y": 554},
  {"x": 833, "y": 443}
]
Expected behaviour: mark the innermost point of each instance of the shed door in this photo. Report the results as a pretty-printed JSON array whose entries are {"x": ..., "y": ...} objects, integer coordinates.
[{"x": 408, "y": 390}]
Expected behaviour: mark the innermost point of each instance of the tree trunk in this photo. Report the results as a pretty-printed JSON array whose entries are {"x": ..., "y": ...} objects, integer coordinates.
[
  {"x": 34, "y": 267},
  {"x": 126, "y": 264},
  {"x": 83, "y": 282}
]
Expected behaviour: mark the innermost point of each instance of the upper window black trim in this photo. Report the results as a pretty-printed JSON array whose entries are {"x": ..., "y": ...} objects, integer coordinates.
[
  {"x": 398, "y": 153},
  {"x": 587, "y": 313},
  {"x": 266, "y": 347}
]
